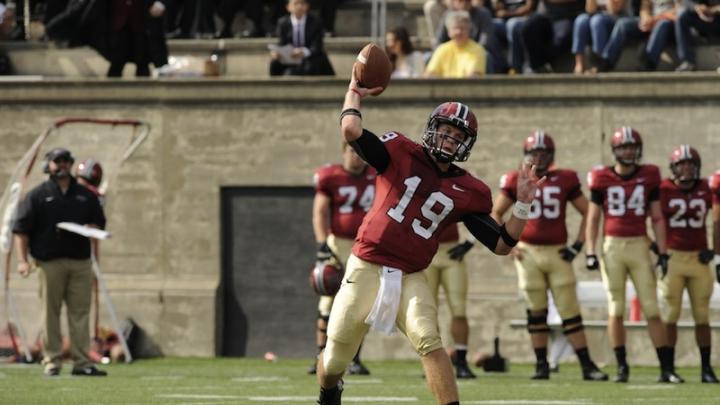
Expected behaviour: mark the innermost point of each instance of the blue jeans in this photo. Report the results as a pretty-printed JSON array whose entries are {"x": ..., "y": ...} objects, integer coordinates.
[
  {"x": 596, "y": 27},
  {"x": 689, "y": 19},
  {"x": 627, "y": 28},
  {"x": 509, "y": 32}
]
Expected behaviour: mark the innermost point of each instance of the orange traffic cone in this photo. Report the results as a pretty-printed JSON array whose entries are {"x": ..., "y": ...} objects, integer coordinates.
[{"x": 635, "y": 313}]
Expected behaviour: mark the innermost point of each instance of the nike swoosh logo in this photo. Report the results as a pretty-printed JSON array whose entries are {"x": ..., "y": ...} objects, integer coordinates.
[
  {"x": 455, "y": 187},
  {"x": 391, "y": 271},
  {"x": 349, "y": 281}
]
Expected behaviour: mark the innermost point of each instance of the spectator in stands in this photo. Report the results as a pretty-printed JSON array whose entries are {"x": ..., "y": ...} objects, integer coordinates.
[
  {"x": 703, "y": 18},
  {"x": 460, "y": 57},
  {"x": 300, "y": 35},
  {"x": 482, "y": 31},
  {"x": 547, "y": 34},
  {"x": 433, "y": 11},
  {"x": 406, "y": 61},
  {"x": 596, "y": 23},
  {"x": 510, "y": 15},
  {"x": 656, "y": 22},
  {"x": 136, "y": 35}
]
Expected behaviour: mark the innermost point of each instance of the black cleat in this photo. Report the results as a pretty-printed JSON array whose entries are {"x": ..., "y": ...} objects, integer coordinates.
[
  {"x": 555, "y": 368},
  {"x": 593, "y": 373},
  {"x": 312, "y": 370},
  {"x": 331, "y": 396},
  {"x": 55, "y": 371},
  {"x": 707, "y": 375},
  {"x": 623, "y": 374},
  {"x": 90, "y": 371},
  {"x": 462, "y": 372},
  {"x": 542, "y": 371},
  {"x": 669, "y": 376},
  {"x": 357, "y": 368}
]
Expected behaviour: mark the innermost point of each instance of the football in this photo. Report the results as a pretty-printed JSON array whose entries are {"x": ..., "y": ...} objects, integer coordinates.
[
  {"x": 373, "y": 68},
  {"x": 325, "y": 278}
]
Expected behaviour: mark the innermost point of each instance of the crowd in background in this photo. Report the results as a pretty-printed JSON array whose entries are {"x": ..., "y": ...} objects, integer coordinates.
[{"x": 468, "y": 37}]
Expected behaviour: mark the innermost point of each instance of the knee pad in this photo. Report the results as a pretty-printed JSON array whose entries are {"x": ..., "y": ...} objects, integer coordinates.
[
  {"x": 337, "y": 356},
  {"x": 537, "y": 323},
  {"x": 572, "y": 325}
]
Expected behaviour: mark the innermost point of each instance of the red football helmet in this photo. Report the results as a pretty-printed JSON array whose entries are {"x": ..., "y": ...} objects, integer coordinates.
[
  {"x": 685, "y": 153},
  {"x": 90, "y": 170},
  {"x": 540, "y": 141},
  {"x": 626, "y": 136},
  {"x": 457, "y": 115},
  {"x": 325, "y": 278}
]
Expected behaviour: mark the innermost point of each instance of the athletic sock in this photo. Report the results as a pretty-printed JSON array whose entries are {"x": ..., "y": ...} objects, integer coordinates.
[
  {"x": 620, "y": 355},
  {"x": 584, "y": 357},
  {"x": 705, "y": 356},
  {"x": 541, "y": 354}
]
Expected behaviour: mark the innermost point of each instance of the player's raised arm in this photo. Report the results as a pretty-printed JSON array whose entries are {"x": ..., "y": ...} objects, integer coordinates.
[{"x": 350, "y": 117}]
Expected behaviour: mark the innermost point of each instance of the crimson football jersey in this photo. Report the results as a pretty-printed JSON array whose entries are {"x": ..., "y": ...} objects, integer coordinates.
[
  {"x": 685, "y": 214},
  {"x": 715, "y": 187},
  {"x": 546, "y": 222},
  {"x": 414, "y": 203},
  {"x": 450, "y": 234},
  {"x": 626, "y": 200},
  {"x": 351, "y": 196}
]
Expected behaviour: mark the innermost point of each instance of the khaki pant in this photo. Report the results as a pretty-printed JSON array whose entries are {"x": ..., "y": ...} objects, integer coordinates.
[
  {"x": 416, "y": 318},
  {"x": 342, "y": 248},
  {"x": 686, "y": 271},
  {"x": 69, "y": 281},
  {"x": 542, "y": 268},
  {"x": 623, "y": 257},
  {"x": 452, "y": 276}
]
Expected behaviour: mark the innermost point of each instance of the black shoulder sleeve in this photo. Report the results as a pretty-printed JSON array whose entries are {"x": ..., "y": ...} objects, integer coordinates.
[
  {"x": 372, "y": 150},
  {"x": 597, "y": 197},
  {"x": 654, "y": 194},
  {"x": 484, "y": 228}
]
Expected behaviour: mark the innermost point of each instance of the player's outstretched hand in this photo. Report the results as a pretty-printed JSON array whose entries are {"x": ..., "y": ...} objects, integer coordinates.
[
  {"x": 528, "y": 183},
  {"x": 361, "y": 91}
]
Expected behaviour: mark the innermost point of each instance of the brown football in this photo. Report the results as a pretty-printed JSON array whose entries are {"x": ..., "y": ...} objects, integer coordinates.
[{"x": 373, "y": 68}]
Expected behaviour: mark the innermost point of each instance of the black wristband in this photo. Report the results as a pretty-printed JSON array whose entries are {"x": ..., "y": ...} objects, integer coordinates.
[
  {"x": 350, "y": 111},
  {"x": 506, "y": 237}
]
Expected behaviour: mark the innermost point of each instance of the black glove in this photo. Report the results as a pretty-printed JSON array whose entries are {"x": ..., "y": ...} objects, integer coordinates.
[
  {"x": 458, "y": 251},
  {"x": 324, "y": 253},
  {"x": 706, "y": 256},
  {"x": 662, "y": 264},
  {"x": 568, "y": 253},
  {"x": 654, "y": 248},
  {"x": 591, "y": 262}
]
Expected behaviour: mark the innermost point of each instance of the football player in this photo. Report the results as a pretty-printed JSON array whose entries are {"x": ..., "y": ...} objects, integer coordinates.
[
  {"x": 625, "y": 194},
  {"x": 419, "y": 192},
  {"x": 715, "y": 188},
  {"x": 447, "y": 269},
  {"x": 542, "y": 258},
  {"x": 343, "y": 194},
  {"x": 685, "y": 199}
]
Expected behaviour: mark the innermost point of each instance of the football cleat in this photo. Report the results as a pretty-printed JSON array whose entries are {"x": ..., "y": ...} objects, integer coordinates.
[
  {"x": 669, "y": 376},
  {"x": 91, "y": 371},
  {"x": 707, "y": 375},
  {"x": 357, "y": 368},
  {"x": 462, "y": 372},
  {"x": 593, "y": 373},
  {"x": 542, "y": 371},
  {"x": 623, "y": 374}
]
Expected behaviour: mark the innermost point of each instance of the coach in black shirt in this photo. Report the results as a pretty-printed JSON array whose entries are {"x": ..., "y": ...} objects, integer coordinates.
[{"x": 62, "y": 258}]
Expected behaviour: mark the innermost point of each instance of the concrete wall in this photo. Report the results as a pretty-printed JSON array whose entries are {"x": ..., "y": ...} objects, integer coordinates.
[{"x": 163, "y": 263}]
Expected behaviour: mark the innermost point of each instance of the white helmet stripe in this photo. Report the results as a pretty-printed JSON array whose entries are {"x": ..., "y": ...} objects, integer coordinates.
[
  {"x": 685, "y": 151},
  {"x": 627, "y": 135},
  {"x": 462, "y": 111}
]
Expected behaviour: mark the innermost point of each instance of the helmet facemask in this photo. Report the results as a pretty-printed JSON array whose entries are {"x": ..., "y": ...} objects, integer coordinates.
[
  {"x": 542, "y": 159},
  {"x": 620, "y": 156},
  {"x": 685, "y": 173},
  {"x": 434, "y": 140}
]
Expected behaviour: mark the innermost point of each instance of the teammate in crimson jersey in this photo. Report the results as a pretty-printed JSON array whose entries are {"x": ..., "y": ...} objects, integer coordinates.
[
  {"x": 343, "y": 195},
  {"x": 685, "y": 199},
  {"x": 625, "y": 194},
  {"x": 715, "y": 188},
  {"x": 447, "y": 269},
  {"x": 542, "y": 257},
  {"x": 419, "y": 192}
]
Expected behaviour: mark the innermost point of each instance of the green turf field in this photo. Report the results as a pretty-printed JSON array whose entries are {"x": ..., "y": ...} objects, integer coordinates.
[{"x": 250, "y": 381}]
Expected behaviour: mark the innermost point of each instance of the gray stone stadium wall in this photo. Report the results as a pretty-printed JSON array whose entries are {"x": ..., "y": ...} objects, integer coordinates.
[{"x": 163, "y": 264}]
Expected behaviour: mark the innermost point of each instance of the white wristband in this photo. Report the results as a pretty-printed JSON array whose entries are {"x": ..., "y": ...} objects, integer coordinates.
[{"x": 521, "y": 210}]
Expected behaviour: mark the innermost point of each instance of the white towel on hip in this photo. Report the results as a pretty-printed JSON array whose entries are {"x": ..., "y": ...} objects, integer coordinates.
[{"x": 384, "y": 311}]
